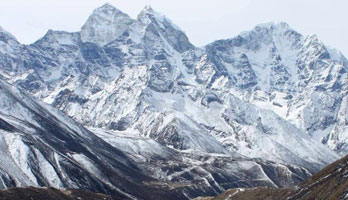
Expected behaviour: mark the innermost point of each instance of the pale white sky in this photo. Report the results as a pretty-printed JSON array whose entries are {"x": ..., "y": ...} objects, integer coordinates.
[{"x": 203, "y": 20}]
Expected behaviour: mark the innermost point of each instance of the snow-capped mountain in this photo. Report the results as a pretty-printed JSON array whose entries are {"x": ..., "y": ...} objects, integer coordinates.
[
  {"x": 40, "y": 146},
  {"x": 268, "y": 97},
  {"x": 295, "y": 76}
]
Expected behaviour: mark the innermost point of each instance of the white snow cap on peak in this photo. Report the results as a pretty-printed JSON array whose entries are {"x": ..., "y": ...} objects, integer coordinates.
[
  {"x": 109, "y": 8},
  {"x": 313, "y": 37},
  {"x": 144, "y": 17},
  {"x": 148, "y": 8},
  {"x": 275, "y": 25},
  {"x": 105, "y": 24},
  {"x": 313, "y": 40},
  {"x": 108, "y": 4}
]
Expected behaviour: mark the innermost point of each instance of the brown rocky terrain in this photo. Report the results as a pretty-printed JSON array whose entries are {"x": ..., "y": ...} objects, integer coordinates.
[
  {"x": 331, "y": 183},
  {"x": 32, "y": 193}
]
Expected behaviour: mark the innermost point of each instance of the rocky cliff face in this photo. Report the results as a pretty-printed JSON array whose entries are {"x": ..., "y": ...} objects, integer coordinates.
[{"x": 270, "y": 96}]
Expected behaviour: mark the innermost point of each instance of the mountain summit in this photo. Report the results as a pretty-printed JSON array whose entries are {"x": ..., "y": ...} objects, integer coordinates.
[
  {"x": 265, "y": 108},
  {"x": 105, "y": 24}
]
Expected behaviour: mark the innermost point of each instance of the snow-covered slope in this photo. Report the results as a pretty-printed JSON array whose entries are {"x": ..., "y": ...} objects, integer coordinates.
[
  {"x": 297, "y": 77},
  {"x": 269, "y": 93},
  {"x": 105, "y": 25},
  {"x": 40, "y": 146}
]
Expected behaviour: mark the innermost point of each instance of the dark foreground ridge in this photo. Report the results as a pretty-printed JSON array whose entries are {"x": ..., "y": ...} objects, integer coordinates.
[
  {"x": 50, "y": 194},
  {"x": 331, "y": 183}
]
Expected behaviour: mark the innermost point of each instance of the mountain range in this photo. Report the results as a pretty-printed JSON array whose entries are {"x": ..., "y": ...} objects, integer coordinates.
[{"x": 129, "y": 107}]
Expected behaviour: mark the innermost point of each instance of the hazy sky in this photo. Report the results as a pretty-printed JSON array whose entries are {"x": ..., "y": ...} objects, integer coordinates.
[{"x": 203, "y": 20}]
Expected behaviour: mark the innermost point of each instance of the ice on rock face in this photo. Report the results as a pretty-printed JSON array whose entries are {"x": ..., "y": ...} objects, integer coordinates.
[
  {"x": 9, "y": 46},
  {"x": 166, "y": 29},
  {"x": 42, "y": 147},
  {"x": 46, "y": 148},
  {"x": 105, "y": 25},
  {"x": 60, "y": 37},
  {"x": 141, "y": 79},
  {"x": 148, "y": 15}
]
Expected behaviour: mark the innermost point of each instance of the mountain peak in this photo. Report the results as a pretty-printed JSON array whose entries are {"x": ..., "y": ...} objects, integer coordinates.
[
  {"x": 107, "y": 5},
  {"x": 313, "y": 37},
  {"x": 174, "y": 35},
  {"x": 105, "y": 24},
  {"x": 148, "y": 11},
  {"x": 107, "y": 9},
  {"x": 61, "y": 37},
  {"x": 313, "y": 40},
  {"x": 148, "y": 8},
  {"x": 268, "y": 33},
  {"x": 148, "y": 15},
  {"x": 274, "y": 25},
  {"x": 270, "y": 28}
]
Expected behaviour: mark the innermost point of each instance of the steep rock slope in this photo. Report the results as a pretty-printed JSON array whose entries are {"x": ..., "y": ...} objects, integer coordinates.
[
  {"x": 330, "y": 183},
  {"x": 269, "y": 94},
  {"x": 42, "y": 147},
  {"x": 297, "y": 77}
]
